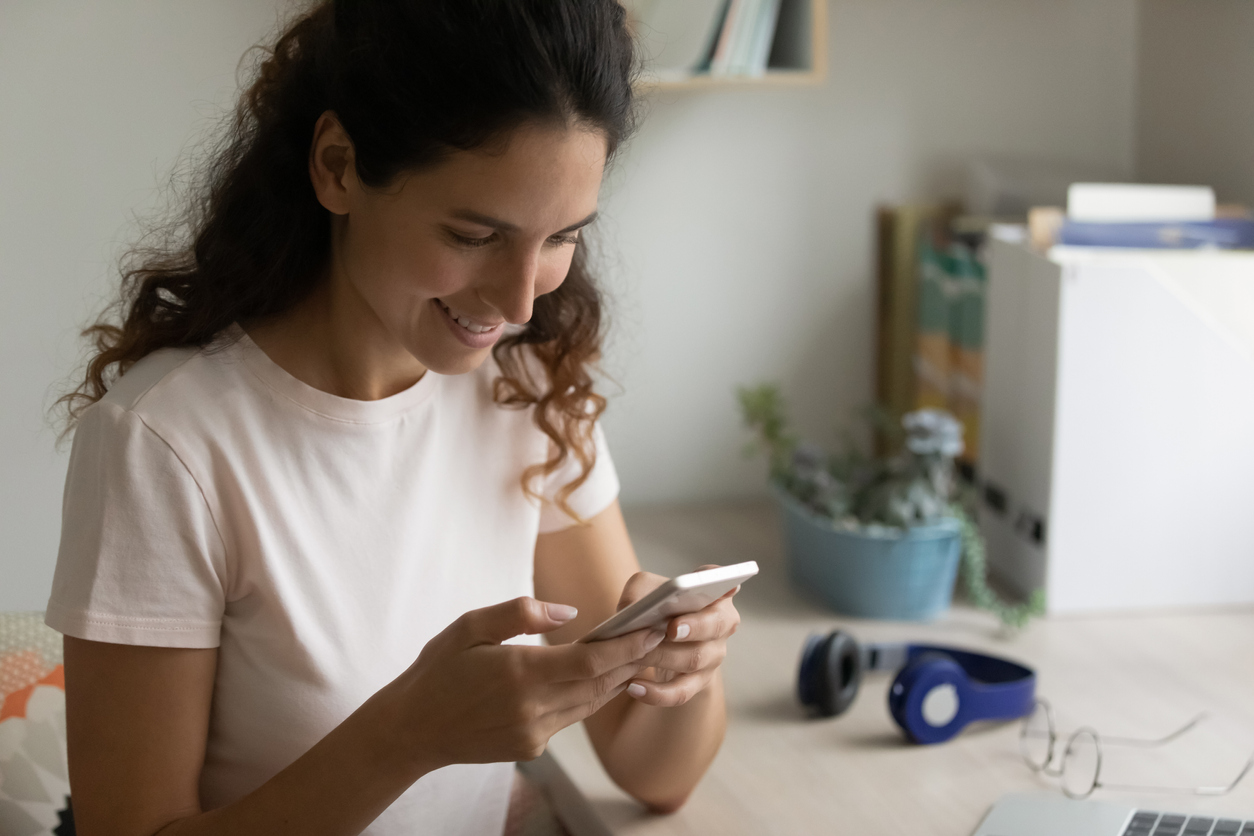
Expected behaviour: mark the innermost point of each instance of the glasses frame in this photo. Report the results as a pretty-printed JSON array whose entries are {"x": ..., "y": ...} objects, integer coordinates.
[{"x": 1137, "y": 742}]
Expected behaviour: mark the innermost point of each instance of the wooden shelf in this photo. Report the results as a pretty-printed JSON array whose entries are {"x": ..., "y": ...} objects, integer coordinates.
[{"x": 798, "y": 57}]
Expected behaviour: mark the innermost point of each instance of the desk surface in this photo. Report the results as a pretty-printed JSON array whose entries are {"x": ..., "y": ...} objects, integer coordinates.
[{"x": 781, "y": 772}]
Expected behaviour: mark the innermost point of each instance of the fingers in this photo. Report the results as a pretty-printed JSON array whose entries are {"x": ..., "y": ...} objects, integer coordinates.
[
  {"x": 596, "y": 691},
  {"x": 562, "y": 718},
  {"x": 569, "y": 662},
  {"x": 669, "y": 694},
  {"x": 495, "y": 624},
  {"x": 717, "y": 621},
  {"x": 687, "y": 657}
]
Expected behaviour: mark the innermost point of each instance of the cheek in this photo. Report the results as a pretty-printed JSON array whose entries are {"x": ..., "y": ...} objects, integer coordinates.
[
  {"x": 400, "y": 271},
  {"x": 554, "y": 271}
]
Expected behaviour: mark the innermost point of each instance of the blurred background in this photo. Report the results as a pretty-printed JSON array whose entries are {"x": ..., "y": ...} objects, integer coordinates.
[{"x": 738, "y": 240}]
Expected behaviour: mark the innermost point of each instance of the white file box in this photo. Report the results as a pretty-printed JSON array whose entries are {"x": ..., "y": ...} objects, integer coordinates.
[{"x": 1117, "y": 440}]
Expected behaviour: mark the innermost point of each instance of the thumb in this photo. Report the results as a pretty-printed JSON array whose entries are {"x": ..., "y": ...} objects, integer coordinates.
[{"x": 495, "y": 624}]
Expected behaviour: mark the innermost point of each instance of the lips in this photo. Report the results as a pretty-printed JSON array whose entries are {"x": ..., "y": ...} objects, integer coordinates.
[
  {"x": 466, "y": 322},
  {"x": 467, "y": 331}
]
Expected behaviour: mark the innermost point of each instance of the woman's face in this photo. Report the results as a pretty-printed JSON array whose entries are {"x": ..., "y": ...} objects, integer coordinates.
[{"x": 443, "y": 258}]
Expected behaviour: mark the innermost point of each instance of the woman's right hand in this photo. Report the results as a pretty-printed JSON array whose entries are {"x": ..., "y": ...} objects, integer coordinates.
[{"x": 468, "y": 698}]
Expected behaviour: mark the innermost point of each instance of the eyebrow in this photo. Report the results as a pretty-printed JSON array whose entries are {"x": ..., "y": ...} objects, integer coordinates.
[{"x": 506, "y": 226}]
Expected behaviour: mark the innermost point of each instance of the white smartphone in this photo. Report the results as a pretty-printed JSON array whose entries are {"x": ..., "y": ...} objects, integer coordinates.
[{"x": 680, "y": 595}]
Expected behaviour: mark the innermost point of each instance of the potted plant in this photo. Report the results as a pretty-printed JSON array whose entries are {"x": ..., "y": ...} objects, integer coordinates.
[{"x": 878, "y": 537}]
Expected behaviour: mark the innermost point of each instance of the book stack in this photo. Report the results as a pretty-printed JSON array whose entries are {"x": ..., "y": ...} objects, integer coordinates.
[
  {"x": 949, "y": 342},
  {"x": 930, "y": 317},
  {"x": 1139, "y": 216},
  {"x": 684, "y": 38},
  {"x": 897, "y": 238}
]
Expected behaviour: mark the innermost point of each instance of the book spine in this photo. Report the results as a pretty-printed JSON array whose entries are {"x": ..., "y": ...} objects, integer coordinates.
[
  {"x": 764, "y": 38},
  {"x": 721, "y": 60},
  {"x": 746, "y": 36},
  {"x": 1221, "y": 233},
  {"x": 933, "y": 348},
  {"x": 712, "y": 39}
]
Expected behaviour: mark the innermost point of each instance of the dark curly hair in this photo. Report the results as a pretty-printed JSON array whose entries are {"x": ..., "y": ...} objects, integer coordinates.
[{"x": 411, "y": 81}]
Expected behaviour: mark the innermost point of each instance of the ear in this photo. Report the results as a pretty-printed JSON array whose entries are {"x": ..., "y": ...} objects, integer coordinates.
[{"x": 332, "y": 168}]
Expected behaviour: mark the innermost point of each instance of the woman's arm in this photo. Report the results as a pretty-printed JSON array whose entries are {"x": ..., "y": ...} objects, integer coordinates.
[
  {"x": 657, "y": 752},
  {"x": 138, "y": 719}
]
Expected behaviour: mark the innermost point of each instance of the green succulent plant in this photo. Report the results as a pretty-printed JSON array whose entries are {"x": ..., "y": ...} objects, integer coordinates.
[{"x": 915, "y": 487}]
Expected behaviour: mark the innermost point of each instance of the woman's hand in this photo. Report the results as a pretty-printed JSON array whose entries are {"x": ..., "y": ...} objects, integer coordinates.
[
  {"x": 695, "y": 645},
  {"x": 471, "y": 699}
]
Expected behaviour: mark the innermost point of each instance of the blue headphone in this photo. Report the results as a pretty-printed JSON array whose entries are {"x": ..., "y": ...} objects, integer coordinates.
[{"x": 937, "y": 692}]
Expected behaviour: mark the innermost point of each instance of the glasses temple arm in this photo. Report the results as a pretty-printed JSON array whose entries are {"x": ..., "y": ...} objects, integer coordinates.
[
  {"x": 1187, "y": 790},
  {"x": 1148, "y": 742}
]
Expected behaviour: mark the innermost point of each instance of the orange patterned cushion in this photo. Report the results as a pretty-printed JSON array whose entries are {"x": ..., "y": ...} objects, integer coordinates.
[{"x": 34, "y": 781}]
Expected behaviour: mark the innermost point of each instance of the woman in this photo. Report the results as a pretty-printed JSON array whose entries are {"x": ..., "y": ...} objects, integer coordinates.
[{"x": 337, "y": 468}]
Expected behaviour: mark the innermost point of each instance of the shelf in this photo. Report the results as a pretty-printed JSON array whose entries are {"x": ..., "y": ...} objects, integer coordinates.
[{"x": 798, "y": 54}]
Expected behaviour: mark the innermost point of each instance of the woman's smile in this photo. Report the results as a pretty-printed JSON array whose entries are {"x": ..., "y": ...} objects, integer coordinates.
[{"x": 472, "y": 333}]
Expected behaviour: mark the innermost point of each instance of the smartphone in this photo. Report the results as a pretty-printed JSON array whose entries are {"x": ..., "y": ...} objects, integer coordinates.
[{"x": 680, "y": 595}]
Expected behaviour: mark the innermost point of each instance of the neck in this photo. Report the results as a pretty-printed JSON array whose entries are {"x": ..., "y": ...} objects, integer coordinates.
[{"x": 333, "y": 341}]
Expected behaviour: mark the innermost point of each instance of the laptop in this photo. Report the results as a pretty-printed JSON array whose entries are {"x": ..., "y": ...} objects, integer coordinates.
[{"x": 1036, "y": 814}]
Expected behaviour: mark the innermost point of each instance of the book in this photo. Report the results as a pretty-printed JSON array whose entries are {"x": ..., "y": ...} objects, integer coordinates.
[
  {"x": 720, "y": 59},
  {"x": 763, "y": 38},
  {"x": 1139, "y": 203},
  {"x": 677, "y": 38},
  {"x": 1221, "y": 233},
  {"x": 897, "y": 238},
  {"x": 949, "y": 343},
  {"x": 742, "y": 39}
]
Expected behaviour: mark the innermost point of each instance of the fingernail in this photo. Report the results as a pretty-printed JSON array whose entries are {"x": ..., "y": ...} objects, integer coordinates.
[
  {"x": 635, "y": 689},
  {"x": 682, "y": 631},
  {"x": 561, "y": 612},
  {"x": 655, "y": 638}
]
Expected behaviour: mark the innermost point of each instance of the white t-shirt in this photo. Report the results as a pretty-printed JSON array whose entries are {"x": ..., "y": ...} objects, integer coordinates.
[{"x": 214, "y": 500}]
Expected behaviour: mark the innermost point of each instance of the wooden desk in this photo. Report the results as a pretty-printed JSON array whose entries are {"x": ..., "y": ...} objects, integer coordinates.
[{"x": 782, "y": 773}]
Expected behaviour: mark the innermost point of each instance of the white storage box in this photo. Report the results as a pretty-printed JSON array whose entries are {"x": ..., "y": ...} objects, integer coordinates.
[{"x": 1117, "y": 440}]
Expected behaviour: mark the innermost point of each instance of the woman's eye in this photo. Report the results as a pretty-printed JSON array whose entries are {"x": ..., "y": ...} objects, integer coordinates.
[
  {"x": 468, "y": 241},
  {"x": 563, "y": 240}
]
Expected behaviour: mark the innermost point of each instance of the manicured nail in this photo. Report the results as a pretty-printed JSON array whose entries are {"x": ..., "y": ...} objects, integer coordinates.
[
  {"x": 636, "y": 689},
  {"x": 655, "y": 638},
  {"x": 561, "y": 612},
  {"x": 681, "y": 632}
]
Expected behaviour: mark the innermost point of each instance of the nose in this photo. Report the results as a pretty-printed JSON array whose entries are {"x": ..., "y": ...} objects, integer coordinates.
[{"x": 512, "y": 291}]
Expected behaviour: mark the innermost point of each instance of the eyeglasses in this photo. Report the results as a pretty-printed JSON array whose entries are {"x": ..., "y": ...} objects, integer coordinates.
[{"x": 1081, "y": 766}]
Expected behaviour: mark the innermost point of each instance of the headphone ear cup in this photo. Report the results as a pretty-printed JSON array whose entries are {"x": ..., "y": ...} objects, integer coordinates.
[
  {"x": 926, "y": 699},
  {"x": 831, "y": 671}
]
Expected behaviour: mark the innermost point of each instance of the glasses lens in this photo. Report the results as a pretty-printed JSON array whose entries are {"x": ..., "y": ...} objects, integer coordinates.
[
  {"x": 1081, "y": 762},
  {"x": 1036, "y": 737}
]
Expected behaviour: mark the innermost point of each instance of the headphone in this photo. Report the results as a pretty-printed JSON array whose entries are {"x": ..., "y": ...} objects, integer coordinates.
[{"x": 937, "y": 692}]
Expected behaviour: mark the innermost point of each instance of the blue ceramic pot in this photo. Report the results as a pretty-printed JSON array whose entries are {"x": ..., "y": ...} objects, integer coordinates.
[{"x": 905, "y": 576}]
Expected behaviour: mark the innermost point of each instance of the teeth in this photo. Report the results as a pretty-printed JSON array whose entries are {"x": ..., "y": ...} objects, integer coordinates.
[{"x": 465, "y": 321}]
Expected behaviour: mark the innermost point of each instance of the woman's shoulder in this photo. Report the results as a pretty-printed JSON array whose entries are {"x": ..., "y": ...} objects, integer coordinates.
[
  {"x": 173, "y": 381},
  {"x": 145, "y": 378}
]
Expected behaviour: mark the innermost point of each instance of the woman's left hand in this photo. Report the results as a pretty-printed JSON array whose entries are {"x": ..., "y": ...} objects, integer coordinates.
[{"x": 694, "y": 647}]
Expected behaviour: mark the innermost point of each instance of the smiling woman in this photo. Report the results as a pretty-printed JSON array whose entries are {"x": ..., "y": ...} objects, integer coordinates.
[{"x": 333, "y": 454}]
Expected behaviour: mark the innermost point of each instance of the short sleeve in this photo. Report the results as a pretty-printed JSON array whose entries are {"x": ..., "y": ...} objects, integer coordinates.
[
  {"x": 590, "y": 498},
  {"x": 141, "y": 561}
]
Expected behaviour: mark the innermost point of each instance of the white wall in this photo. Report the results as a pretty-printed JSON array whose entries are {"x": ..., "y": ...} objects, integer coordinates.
[
  {"x": 96, "y": 102},
  {"x": 1195, "y": 121},
  {"x": 739, "y": 224},
  {"x": 744, "y": 218}
]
